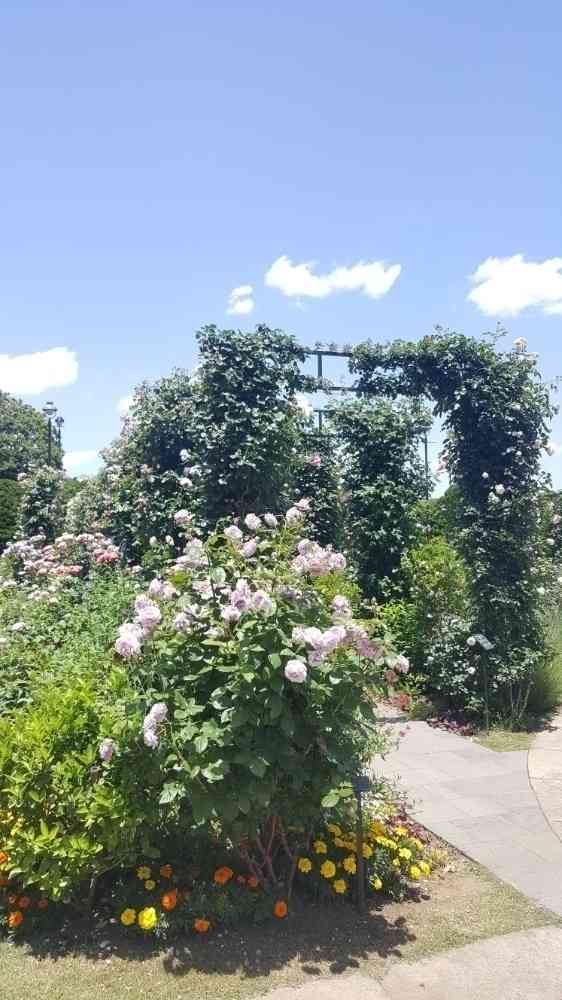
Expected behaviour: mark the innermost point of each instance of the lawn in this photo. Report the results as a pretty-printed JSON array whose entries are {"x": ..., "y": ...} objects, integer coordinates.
[{"x": 462, "y": 905}]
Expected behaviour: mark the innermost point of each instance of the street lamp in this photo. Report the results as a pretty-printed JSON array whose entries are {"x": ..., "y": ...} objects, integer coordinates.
[
  {"x": 59, "y": 421},
  {"x": 49, "y": 411}
]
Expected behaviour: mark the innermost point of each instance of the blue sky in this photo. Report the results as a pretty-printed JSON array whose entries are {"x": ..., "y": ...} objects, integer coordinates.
[{"x": 158, "y": 156}]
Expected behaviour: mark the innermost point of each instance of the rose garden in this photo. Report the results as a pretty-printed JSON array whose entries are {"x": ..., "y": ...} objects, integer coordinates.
[{"x": 198, "y": 642}]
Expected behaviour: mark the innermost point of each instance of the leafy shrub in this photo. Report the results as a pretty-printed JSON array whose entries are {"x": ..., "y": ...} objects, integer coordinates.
[
  {"x": 23, "y": 438},
  {"x": 239, "y": 701},
  {"x": 10, "y": 496},
  {"x": 451, "y": 668},
  {"x": 42, "y": 507}
]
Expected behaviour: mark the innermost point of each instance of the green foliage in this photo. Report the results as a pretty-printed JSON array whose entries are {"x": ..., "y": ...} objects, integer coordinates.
[
  {"x": 42, "y": 506},
  {"x": 496, "y": 412},
  {"x": 23, "y": 438},
  {"x": 383, "y": 479},
  {"x": 248, "y": 426},
  {"x": 318, "y": 476},
  {"x": 436, "y": 579},
  {"x": 10, "y": 496}
]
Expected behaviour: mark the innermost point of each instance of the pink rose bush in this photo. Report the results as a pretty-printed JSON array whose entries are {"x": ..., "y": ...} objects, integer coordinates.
[{"x": 267, "y": 705}]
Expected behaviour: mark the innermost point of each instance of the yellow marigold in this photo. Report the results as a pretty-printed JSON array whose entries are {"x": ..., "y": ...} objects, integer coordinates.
[
  {"x": 392, "y": 845},
  {"x": 396, "y": 862},
  {"x": 334, "y": 829},
  {"x": 400, "y": 831},
  {"x": 349, "y": 845},
  {"x": 304, "y": 865},
  {"x": 350, "y": 865},
  {"x": 143, "y": 872},
  {"x": 417, "y": 844},
  {"x": 405, "y": 853},
  {"x": 415, "y": 872},
  {"x": 338, "y": 842},
  {"x": 150, "y": 884},
  {"x": 166, "y": 871},
  {"x": 376, "y": 883},
  {"x": 320, "y": 847},
  {"x": 128, "y": 917},
  {"x": 424, "y": 867},
  {"x": 147, "y": 918},
  {"x": 328, "y": 869},
  {"x": 340, "y": 886},
  {"x": 378, "y": 828},
  {"x": 201, "y": 925},
  {"x": 367, "y": 851}
]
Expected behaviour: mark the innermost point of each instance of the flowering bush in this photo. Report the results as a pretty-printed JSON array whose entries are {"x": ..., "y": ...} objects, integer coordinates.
[
  {"x": 10, "y": 496},
  {"x": 394, "y": 858}
]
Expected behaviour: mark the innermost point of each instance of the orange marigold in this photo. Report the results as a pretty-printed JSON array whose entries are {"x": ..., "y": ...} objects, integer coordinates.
[
  {"x": 24, "y": 902},
  {"x": 170, "y": 900},
  {"x": 3, "y": 859},
  {"x": 223, "y": 875},
  {"x": 15, "y": 919},
  {"x": 166, "y": 871},
  {"x": 201, "y": 926},
  {"x": 280, "y": 909},
  {"x": 253, "y": 882}
]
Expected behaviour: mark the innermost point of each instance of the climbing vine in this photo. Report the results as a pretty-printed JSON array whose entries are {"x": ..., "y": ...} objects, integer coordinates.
[{"x": 496, "y": 412}]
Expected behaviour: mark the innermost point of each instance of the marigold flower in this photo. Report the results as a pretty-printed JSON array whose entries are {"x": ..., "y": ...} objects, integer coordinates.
[
  {"x": 328, "y": 869},
  {"x": 143, "y": 872},
  {"x": 253, "y": 882},
  {"x": 15, "y": 919},
  {"x": 3, "y": 859},
  {"x": 150, "y": 884},
  {"x": 170, "y": 900},
  {"x": 415, "y": 872},
  {"x": 334, "y": 829},
  {"x": 147, "y": 918},
  {"x": 350, "y": 865},
  {"x": 400, "y": 831},
  {"x": 367, "y": 851},
  {"x": 338, "y": 842},
  {"x": 24, "y": 902},
  {"x": 43, "y": 903},
  {"x": 320, "y": 847},
  {"x": 280, "y": 909},
  {"x": 166, "y": 871},
  {"x": 223, "y": 875},
  {"x": 128, "y": 917},
  {"x": 304, "y": 865},
  {"x": 396, "y": 862},
  {"x": 405, "y": 853},
  {"x": 201, "y": 925},
  {"x": 376, "y": 883},
  {"x": 424, "y": 868},
  {"x": 417, "y": 844},
  {"x": 340, "y": 886}
]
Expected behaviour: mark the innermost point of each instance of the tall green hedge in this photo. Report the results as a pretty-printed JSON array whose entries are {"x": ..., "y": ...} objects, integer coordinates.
[{"x": 10, "y": 497}]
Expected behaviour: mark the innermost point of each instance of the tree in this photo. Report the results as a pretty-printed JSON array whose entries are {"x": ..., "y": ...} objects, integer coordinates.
[
  {"x": 10, "y": 495},
  {"x": 23, "y": 438}
]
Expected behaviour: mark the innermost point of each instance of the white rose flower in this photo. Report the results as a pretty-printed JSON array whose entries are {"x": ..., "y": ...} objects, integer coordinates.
[{"x": 296, "y": 671}]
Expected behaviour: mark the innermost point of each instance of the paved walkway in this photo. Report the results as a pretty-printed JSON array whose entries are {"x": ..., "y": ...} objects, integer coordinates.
[
  {"x": 526, "y": 965},
  {"x": 482, "y": 802}
]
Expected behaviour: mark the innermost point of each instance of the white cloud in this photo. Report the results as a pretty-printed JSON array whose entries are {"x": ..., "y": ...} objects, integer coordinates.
[
  {"x": 124, "y": 405},
  {"x": 31, "y": 374},
  {"x": 74, "y": 459},
  {"x": 240, "y": 301},
  {"x": 298, "y": 280},
  {"x": 504, "y": 286}
]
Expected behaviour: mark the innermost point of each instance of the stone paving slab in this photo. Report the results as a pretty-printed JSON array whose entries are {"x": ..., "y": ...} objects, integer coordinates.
[
  {"x": 483, "y": 803},
  {"x": 525, "y": 965}
]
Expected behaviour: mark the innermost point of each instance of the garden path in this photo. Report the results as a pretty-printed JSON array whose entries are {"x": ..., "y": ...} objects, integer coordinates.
[
  {"x": 482, "y": 802},
  {"x": 525, "y": 965}
]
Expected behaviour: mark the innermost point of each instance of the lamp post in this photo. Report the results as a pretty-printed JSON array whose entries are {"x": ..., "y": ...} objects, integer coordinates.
[
  {"x": 361, "y": 784},
  {"x": 59, "y": 421},
  {"x": 49, "y": 411}
]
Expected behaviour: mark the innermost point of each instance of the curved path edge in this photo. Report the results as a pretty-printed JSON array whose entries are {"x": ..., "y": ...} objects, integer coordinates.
[{"x": 544, "y": 764}]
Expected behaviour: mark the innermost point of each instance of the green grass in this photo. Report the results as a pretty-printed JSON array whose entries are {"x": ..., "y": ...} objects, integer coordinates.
[
  {"x": 460, "y": 906},
  {"x": 502, "y": 740}
]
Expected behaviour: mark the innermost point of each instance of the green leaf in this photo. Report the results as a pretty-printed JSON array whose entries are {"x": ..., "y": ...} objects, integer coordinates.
[
  {"x": 258, "y": 767},
  {"x": 330, "y": 800},
  {"x": 275, "y": 660},
  {"x": 171, "y": 791},
  {"x": 201, "y": 743}
]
